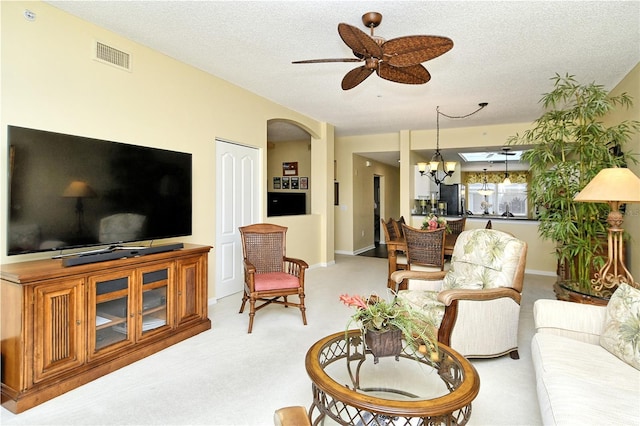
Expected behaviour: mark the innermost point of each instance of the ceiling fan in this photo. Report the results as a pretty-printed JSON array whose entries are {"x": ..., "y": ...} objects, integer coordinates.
[
  {"x": 505, "y": 152},
  {"x": 398, "y": 59}
]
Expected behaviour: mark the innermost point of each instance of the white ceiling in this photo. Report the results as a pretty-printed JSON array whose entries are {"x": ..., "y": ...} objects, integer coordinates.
[{"x": 504, "y": 53}]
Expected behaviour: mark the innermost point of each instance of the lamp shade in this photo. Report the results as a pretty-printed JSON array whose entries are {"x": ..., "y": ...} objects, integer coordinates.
[
  {"x": 615, "y": 184},
  {"x": 450, "y": 166},
  {"x": 79, "y": 189}
]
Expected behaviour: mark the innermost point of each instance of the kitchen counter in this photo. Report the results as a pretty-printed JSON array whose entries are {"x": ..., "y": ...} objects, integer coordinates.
[{"x": 481, "y": 217}]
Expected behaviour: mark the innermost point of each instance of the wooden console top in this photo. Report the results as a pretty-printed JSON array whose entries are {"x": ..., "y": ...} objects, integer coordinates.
[{"x": 37, "y": 270}]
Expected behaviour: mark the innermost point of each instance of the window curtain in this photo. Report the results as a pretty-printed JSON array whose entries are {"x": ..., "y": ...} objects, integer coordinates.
[{"x": 496, "y": 177}]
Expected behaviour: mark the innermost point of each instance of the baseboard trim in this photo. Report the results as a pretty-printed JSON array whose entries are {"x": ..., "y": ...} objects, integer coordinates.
[
  {"x": 362, "y": 250},
  {"x": 539, "y": 272},
  {"x": 348, "y": 253}
]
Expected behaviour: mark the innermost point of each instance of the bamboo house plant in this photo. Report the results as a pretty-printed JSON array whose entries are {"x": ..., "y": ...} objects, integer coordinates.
[{"x": 570, "y": 145}]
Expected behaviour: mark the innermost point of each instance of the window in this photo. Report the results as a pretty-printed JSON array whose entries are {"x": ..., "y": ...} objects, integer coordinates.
[{"x": 511, "y": 198}]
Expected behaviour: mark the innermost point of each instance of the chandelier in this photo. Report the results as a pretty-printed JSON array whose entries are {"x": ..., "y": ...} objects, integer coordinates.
[
  {"x": 485, "y": 188},
  {"x": 439, "y": 169}
]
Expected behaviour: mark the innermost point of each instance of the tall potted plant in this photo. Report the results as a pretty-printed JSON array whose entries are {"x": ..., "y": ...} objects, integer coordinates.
[{"x": 570, "y": 145}]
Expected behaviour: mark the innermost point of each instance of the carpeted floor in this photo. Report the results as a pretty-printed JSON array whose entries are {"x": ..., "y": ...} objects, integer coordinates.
[{"x": 225, "y": 376}]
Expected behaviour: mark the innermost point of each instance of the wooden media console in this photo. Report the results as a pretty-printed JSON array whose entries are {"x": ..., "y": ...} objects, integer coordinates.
[{"x": 62, "y": 327}]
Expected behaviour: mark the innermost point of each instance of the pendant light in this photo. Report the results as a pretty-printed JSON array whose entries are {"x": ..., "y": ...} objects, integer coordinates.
[
  {"x": 506, "y": 152},
  {"x": 439, "y": 169},
  {"x": 485, "y": 189}
]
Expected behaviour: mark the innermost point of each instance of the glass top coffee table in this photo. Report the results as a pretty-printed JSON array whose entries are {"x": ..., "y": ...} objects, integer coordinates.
[{"x": 350, "y": 389}]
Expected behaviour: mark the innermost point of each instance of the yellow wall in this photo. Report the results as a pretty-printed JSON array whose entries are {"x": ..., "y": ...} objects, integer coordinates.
[
  {"x": 352, "y": 177},
  {"x": 631, "y": 85},
  {"x": 363, "y": 230},
  {"x": 49, "y": 81}
]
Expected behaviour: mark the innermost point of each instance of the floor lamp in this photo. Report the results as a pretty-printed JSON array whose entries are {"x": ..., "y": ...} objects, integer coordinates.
[
  {"x": 79, "y": 190},
  {"x": 613, "y": 186}
]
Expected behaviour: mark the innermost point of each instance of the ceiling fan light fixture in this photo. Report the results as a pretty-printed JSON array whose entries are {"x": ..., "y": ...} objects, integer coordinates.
[{"x": 398, "y": 60}]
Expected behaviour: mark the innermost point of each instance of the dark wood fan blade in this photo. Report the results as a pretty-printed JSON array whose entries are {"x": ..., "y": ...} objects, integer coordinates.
[
  {"x": 355, "y": 77},
  {"x": 415, "y": 74},
  {"x": 317, "y": 61},
  {"x": 413, "y": 50},
  {"x": 359, "y": 41}
]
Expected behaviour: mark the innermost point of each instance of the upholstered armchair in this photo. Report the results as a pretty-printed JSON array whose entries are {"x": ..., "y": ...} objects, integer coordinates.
[{"x": 475, "y": 303}]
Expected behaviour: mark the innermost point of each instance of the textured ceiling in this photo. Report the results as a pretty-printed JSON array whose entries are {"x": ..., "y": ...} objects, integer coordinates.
[{"x": 504, "y": 52}]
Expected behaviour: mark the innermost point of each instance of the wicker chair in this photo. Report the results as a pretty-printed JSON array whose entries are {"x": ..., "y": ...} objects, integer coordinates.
[
  {"x": 397, "y": 259},
  {"x": 455, "y": 228},
  {"x": 398, "y": 225},
  {"x": 425, "y": 249},
  {"x": 270, "y": 276},
  {"x": 390, "y": 229}
]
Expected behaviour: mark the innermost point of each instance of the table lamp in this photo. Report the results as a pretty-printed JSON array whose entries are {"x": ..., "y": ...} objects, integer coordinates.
[{"x": 614, "y": 186}]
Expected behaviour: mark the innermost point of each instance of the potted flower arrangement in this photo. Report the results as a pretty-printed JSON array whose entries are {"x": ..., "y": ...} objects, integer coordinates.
[
  {"x": 432, "y": 222},
  {"x": 385, "y": 324}
]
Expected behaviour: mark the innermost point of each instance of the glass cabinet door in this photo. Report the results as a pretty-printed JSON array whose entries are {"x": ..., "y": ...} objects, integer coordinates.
[
  {"x": 155, "y": 311},
  {"x": 110, "y": 296}
]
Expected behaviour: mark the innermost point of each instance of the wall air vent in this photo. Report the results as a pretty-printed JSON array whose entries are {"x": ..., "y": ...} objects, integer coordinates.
[{"x": 112, "y": 56}]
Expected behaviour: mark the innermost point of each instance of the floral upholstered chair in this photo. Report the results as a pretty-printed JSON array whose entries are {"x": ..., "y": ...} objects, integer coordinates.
[{"x": 476, "y": 302}]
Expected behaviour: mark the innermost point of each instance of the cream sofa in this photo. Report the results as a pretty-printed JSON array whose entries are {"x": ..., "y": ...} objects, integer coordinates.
[{"x": 579, "y": 381}]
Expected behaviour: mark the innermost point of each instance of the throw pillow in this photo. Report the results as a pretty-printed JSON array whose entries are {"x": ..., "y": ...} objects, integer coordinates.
[{"x": 621, "y": 333}]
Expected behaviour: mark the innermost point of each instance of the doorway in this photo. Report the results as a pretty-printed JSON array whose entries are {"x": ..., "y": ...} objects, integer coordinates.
[
  {"x": 237, "y": 204},
  {"x": 376, "y": 210}
]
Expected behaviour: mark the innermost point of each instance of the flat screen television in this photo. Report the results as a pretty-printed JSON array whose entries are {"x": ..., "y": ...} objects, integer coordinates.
[
  {"x": 286, "y": 203},
  {"x": 70, "y": 191}
]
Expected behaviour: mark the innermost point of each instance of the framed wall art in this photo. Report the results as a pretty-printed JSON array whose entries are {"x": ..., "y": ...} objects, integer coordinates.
[
  {"x": 290, "y": 168},
  {"x": 304, "y": 183}
]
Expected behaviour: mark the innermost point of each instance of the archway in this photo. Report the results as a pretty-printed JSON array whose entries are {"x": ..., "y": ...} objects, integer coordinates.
[{"x": 288, "y": 168}]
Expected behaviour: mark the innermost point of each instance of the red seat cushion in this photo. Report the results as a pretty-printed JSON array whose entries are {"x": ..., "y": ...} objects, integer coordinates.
[{"x": 275, "y": 280}]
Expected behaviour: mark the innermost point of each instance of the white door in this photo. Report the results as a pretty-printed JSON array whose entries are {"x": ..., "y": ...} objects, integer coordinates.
[{"x": 237, "y": 201}]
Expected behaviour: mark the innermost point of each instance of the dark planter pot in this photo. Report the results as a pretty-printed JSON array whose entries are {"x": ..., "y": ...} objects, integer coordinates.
[{"x": 384, "y": 343}]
